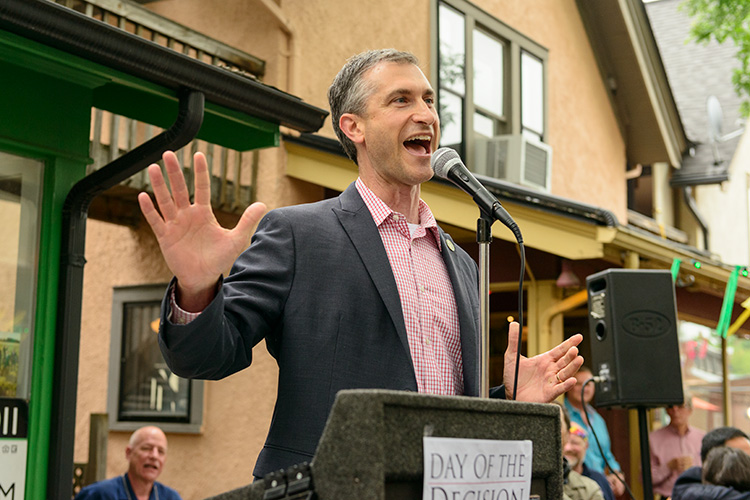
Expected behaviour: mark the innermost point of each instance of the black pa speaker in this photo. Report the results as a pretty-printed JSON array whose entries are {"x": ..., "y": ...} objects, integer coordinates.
[{"x": 633, "y": 335}]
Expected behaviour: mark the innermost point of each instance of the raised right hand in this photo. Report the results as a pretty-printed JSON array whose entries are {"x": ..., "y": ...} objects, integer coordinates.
[{"x": 195, "y": 247}]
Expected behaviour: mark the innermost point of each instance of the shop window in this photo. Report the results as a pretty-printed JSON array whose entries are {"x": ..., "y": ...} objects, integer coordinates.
[{"x": 20, "y": 198}]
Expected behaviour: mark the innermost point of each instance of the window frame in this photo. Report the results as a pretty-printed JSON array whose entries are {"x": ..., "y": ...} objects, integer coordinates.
[
  {"x": 515, "y": 43},
  {"x": 120, "y": 297}
]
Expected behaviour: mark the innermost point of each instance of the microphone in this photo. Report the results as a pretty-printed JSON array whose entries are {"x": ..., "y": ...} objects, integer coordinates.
[{"x": 446, "y": 164}]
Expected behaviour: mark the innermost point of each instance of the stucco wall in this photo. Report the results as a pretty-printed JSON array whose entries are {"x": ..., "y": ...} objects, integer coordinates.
[{"x": 726, "y": 210}]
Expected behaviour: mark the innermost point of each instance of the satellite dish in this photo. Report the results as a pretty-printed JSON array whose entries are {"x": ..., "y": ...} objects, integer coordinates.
[{"x": 715, "y": 117}]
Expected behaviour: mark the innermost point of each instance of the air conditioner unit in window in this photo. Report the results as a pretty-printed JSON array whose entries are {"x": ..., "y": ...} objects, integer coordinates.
[{"x": 514, "y": 158}]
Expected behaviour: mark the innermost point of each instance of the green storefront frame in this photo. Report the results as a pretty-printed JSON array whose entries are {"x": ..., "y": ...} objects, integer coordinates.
[{"x": 46, "y": 97}]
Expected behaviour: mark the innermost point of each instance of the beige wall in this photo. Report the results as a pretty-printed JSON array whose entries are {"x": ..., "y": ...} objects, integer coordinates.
[
  {"x": 588, "y": 150},
  {"x": 588, "y": 165}
]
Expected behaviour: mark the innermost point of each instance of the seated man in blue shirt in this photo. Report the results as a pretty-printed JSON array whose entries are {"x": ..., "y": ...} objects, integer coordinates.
[{"x": 146, "y": 453}]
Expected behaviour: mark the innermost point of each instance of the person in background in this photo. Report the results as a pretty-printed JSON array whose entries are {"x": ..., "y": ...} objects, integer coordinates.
[
  {"x": 575, "y": 486},
  {"x": 146, "y": 454},
  {"x": 596, "y": 460},
  {"x": 729, "y": 467},
  {"x": 674, "y": 448},
  {"x": 575, "y": 453},
  {"x": 690, "y": 485}
]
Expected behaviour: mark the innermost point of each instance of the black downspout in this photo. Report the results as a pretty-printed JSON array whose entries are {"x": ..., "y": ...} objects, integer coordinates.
[
  {"x": 687, "y": 192},
  {"x": 70, "y": 290}
]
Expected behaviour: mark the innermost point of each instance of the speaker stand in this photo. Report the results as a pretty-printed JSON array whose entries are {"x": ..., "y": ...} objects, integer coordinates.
[{"x": 648, "y": 490}]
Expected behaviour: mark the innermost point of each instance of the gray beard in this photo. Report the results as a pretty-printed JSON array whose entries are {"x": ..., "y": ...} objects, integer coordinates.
[{"x": 573, "y": 462}]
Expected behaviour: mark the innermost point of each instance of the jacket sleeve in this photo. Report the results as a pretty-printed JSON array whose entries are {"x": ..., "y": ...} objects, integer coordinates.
[{"x": 247, "y": 309}]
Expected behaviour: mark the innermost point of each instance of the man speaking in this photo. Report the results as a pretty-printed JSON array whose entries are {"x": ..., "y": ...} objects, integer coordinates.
[{"x": 363, "y": 290}]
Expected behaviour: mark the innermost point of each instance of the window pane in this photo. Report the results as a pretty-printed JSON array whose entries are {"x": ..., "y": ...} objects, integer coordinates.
[
  {"x": 488, "y": 73},
  {"x": 20, "y": 198},
  {"x": 532, "y": 94},
  {"x": 483, "y": 125},
  {"x": 149, "y": 390},
  {"x": 452, "y": 50},
  {"x": 451, "y": 119}
]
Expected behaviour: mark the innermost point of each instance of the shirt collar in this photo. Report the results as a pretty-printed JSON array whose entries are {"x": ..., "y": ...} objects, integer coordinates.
[{"x": 380, "y": 211}]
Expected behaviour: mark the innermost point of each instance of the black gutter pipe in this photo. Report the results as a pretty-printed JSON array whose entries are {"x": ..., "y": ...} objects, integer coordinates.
[
  {"x": 549, "y": 202},
  {"x": 70, "y": 289},
  {"x": 505, "y": 190},
  {"x": 65, "y": 29}
]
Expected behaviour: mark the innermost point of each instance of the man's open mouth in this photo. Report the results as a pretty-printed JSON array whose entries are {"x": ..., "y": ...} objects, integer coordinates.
[{"x": 419, "y": 144}]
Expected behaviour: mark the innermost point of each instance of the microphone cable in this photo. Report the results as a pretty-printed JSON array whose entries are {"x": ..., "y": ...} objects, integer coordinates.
[
  {"x": 598, "y": 444},
  {"x": 522, "y": 252}
]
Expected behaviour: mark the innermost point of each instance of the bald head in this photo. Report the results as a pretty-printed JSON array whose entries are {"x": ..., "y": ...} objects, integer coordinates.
[
  {"x": 146, "y": 454},
  {"x": 144, "y": 433}
]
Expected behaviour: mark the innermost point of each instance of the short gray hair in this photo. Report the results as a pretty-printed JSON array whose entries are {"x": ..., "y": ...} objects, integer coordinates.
[{"x": 349, "y": 92}]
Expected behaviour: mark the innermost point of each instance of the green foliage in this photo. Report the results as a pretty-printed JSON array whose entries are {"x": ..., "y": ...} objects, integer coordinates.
[{"x": 724, "y": 20}]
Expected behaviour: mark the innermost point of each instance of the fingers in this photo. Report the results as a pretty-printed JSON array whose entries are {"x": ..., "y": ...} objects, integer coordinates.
[
  {"x": 249, "y": 219},
  {"x": 150, "y": 214},
  {"x": 565, "y": 346},
  {"x": 513, "y": 332},
  {"x": 161, "y": 192},
  {"x": 569, "y": 364},
  {"x": 170, "y": 203},
  {"x": 202, "y": 180},
  {"x": 561, "y": 388},
  {"x": 180, "y": 194},
  {"x": 566, "y": 352}
]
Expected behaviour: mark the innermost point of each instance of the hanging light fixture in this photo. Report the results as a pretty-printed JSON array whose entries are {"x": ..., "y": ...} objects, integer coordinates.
[{"x": 567, "y": 278}]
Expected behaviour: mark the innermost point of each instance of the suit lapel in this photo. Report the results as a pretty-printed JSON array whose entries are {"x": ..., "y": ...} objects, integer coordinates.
[
  {"x": 359, "y": 225},
  {"x": 467, "y": 317}
]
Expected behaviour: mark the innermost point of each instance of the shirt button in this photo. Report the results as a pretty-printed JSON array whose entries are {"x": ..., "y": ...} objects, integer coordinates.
[
  {"x": 395, "y": 217},
  {"x": 427, "y": 340},
  {"x": 421, "y": 288}
]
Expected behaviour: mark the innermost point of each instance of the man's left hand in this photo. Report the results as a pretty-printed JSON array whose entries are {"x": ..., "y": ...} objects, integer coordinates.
[{"x": 545, "y": 376}]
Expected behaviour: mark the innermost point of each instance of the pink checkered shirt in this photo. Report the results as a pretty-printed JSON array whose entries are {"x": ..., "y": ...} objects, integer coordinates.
[{"x": 426, "y": 292}]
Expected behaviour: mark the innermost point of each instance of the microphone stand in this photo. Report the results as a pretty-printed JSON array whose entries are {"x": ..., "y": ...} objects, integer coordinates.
[{"x": 484, "y": 238}]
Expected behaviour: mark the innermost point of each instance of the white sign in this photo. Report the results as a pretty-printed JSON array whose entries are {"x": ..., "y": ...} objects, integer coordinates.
[
  {"x": 476, "y": 469},
  {"x": 12, "y": 469}
]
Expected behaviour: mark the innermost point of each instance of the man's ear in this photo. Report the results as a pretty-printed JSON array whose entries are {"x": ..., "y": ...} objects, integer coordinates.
[{"x": 351, "y": 125}]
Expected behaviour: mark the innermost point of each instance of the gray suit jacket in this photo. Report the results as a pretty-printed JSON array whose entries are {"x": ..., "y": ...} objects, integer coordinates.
[{"x": 317, "y": 285}]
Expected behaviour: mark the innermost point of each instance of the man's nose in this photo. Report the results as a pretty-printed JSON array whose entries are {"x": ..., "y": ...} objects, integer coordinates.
[{"x": 425, "y": 113}]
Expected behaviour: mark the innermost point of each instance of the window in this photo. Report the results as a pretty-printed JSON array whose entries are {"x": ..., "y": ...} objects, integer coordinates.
[
  {"x": 20, "y": 198},
  {"x": 491, "y": 80},
  {"x": 141, "y": 387}
]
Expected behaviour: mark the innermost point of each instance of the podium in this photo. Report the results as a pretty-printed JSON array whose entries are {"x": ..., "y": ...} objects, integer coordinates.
[{"x": 371, "y": 447}]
